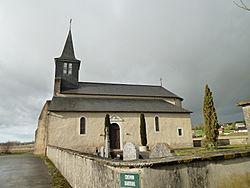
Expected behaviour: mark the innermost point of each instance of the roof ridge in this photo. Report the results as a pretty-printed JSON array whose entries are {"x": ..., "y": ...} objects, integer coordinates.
[
  {"x": 120, "y": 89},
  {"x": 111, "y": 98},
  {"x": 106, "y": 83}
]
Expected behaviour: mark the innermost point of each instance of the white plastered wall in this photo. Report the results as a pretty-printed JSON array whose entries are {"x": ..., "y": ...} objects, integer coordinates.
[{"x": 63, "y": 129}]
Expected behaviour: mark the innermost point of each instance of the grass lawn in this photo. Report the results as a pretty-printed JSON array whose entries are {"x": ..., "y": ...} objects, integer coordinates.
[
  {"x": 228, "y": 131},
  {"x": 58, "y": 181},
  {"x": 200, "y": 150},
  {"x": 237, "y": 134},
  {"x": 201, "y": 133},
  {"x": 15, "y": 153}
]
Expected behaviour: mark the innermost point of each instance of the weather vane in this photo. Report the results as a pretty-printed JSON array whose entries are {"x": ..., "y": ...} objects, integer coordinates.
[{"x": 70, "y": 22}]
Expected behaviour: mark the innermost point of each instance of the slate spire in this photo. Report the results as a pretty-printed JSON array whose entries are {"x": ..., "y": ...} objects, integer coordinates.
[
  {"x": 67, "y": 66},
  {"x": 68, "y": 50}
]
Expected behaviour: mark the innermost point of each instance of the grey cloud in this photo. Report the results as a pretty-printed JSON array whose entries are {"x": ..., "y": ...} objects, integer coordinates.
[{"x": 188, "y": 44}]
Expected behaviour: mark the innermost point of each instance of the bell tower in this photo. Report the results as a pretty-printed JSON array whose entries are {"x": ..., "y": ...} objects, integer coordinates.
[{"x": 67, "y": 66}]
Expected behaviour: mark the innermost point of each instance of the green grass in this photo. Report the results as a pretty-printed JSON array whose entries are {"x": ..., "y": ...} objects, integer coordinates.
[
  {"x": 58, "y": 181},
  {"x": 189, "y": 151},
  {"x": 199, "y": 133},
  {"x": 203, "y": 150},
  {"x": 235, "y": 146},
  {"x": 238, "y": 134},
  {"x": 15, "y": 153},
  {"x": 228, "y": 131}
]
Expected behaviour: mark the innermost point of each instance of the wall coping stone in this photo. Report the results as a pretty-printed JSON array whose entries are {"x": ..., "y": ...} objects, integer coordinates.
[
  {"x": 171, "y": 160},
  {"x": 225, "y": 137}
]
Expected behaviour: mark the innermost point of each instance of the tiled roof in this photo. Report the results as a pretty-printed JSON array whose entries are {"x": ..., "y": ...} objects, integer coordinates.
[
  {"x": 244, "y": 103},
  {"x": 81, "y": 104},
  {"x": 68, "y": 50},
  {"x": 89, "y": 88}
]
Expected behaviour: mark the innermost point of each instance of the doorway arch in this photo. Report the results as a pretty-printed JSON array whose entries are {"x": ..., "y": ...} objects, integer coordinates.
[{"x": 114, "y": 136}]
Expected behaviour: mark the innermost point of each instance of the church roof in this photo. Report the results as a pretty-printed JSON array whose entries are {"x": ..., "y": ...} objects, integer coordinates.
[
  {"x": 68, "y": 50},
  {"x": 245, "y": 103},
  {"x": 89, "y": 88},
  {"x": 80, "y": 104}
]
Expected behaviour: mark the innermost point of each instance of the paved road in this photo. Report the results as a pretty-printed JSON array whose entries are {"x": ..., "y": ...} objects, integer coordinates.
[{"x": 23, "y": 171}]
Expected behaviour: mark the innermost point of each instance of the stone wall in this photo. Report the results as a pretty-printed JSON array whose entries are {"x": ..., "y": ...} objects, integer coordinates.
[
  {"x": 224, "y": 140},
  {"x": 64, "y": 131},
  {"x": 41, "y": 131},
  {"x": 224, "y": 169},
  {"x": 83, "y": 170},
  {"x": 246, "y": 112}
]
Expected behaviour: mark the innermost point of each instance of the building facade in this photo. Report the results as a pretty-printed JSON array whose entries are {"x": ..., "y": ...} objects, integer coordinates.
[
  {"x": 246, "y": 112},
  {"x": 75, "y": 116}
]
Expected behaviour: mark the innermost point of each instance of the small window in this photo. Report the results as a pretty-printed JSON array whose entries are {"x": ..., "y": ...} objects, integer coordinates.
[
  {"x": 157, "y": 126},
  {"x": 82, "y": 125},
  {"x": 70, "y": 68},
  {"x": 180, "y": 132},
  {"x": 65, "y": 67}
]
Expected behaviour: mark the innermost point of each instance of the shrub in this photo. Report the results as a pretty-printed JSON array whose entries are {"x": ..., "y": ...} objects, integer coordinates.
[{"x": 143, "y": 130}]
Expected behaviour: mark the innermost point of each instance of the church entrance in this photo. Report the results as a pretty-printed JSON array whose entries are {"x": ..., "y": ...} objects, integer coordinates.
[{"x": 114, "y": 136}]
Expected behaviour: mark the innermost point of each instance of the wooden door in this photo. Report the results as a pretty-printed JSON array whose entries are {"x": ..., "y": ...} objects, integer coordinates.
[{"x": 114, "y": 136}]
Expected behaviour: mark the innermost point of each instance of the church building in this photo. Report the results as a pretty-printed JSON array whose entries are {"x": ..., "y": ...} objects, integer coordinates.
[{"x": 74, "y": 118}]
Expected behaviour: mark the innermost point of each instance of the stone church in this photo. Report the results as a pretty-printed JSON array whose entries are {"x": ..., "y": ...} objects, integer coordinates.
[{"x": 75, "y": 116}]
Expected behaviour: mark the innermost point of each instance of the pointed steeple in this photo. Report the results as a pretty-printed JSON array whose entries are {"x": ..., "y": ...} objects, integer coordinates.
[
  {"x": 67, "y": 66},
  {"x": 68, "y": 50}
]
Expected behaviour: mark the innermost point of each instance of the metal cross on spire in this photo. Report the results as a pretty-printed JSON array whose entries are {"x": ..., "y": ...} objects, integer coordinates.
[
  {"x": 68, "y": 50},
  {"x": 70, "y": 23}
]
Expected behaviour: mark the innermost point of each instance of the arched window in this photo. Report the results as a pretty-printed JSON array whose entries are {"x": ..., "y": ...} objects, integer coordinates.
[
  {"x": 82, "y": 125},
  {"x": 70, "y": 69},
  {"x": 157, "y": 125},
  {"x": 65, "y": 68}
]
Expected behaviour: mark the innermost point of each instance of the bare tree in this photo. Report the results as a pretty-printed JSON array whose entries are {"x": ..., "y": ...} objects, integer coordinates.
[
  {"x": 242, "y": 5},
  {"x": 6, "y": 147}
]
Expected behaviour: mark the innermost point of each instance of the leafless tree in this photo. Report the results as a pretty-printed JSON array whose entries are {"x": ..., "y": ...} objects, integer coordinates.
[
  {"x": 242, "y": 5},
  {"x": 6, "y": 147}
]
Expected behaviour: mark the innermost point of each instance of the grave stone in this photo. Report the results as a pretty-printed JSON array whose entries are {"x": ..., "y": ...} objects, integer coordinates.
[
  {"x": 161, "y": 150},
  {"x": 130, "y": 152},
  {"x": 102, "y": 151}
]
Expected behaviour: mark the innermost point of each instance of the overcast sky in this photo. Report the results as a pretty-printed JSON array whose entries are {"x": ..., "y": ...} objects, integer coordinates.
[{"x": 187, "y": 43}]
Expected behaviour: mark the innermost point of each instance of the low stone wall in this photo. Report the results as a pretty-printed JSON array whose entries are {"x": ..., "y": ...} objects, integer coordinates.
[
  {"x": 224, "y": 169},
  {"x": 239, "y": 140},
  {"x": 82, "y": 170},
  {"x": 224, "y": 140}
]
